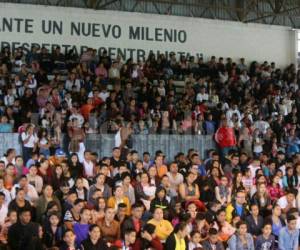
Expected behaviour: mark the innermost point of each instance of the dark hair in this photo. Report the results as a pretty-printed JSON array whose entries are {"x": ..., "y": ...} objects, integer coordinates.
[
  {"x": 290, "y": 217},
  {"x": 179, "y": 227},
  {"x": 2, "y": 194},
  {"x": 122, "y": 205},
  {"x": 240, "y": 223},
  {"x": 91, "y": 228},
  {"x": 137, "y": 204},
  {"x": 213, "y": 231},
  {"x": 149, "y": 228},
  {"x": 77, "y": 201}
]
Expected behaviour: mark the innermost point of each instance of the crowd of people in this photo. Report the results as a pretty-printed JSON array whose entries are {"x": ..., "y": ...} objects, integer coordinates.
[{"x": 61, "y": 195}]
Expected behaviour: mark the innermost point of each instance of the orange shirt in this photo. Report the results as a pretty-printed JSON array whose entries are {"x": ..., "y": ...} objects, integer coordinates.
[{"x": 162, "y": 170}]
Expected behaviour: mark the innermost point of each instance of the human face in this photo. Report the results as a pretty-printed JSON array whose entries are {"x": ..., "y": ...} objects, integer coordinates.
[
  {"x": 54, "y": 220},
  {"x": 95, "y": 233},
  {"x": 21, "y": 195},
  {"x": 131, "y": 237},
  {"x": 224, "y": 181},
  {"x": 119, "y": 192},
  {"x": 69, "y": 238},
  {"x": 86, "y": 216},
  {"x": 292, "y": 225},
  {"x": 78, "y": 207},
  {"x": 25, "y": 217},
  {"x": 277, "y": 211},
  {"x": 242, "y": 229},
  {"x": 267, "y": 230},
  {"x": 222, "y": 217},
  {"x": 33, "y": 170},
  {"x": 109, "y": 214},
  {"x": 255, "y": 210},
  {"x": 240, "y": 198},
  {"x": 138, "y": 212},
  {"x": 101, "y": 204},
  {"x": 213, "y": 239},
  {"x": 100, "y": 179},
  {"x": 196, "y": 238},
  {"x": 48, "y": 191},
  {"x": 13, "y": 217},
  {"x": 158, "y": 214},
  {"x": 173, "y": 168},
  {"x": 290, "y": 198}
]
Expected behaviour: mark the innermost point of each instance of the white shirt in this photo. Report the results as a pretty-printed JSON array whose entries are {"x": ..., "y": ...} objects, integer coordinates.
[
  {"x": 33, "y": 139},
  {"x": 202, "y": 97},
  {"x": 282, "y": 202},
  {"x": 3, "y": 214},
  {"x": 31, "y": 194},
  {"x": 7, "y": 195},
  {"x": 6, "y": 161},
  {"x": 253, "y": 170},
  {"x": 104, "y": 95},
  {"x": 88, "y": 168}
]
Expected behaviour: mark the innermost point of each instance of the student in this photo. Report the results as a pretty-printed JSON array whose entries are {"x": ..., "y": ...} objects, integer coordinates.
[
  {"x": 176, "y": 240},
  {"x": 289, "y": 235},
  {"x": 213, "y": 243},
  {"x": 194, "y": 242},
  {"x": 241, "y": 239},
  {"x": 81, "y": 229},
  {"x": 265, "y": 241},
  {"x": 94, "y": 241},
  {"x": 69, "y": 241}
]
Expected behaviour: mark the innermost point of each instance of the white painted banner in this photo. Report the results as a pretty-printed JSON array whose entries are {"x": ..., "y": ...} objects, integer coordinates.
[{"x": 133, "y": 35}]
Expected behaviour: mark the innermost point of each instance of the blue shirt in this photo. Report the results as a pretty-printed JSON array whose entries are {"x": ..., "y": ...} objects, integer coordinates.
[
  {"x": 288, "y": 240},
  {"x": 239, "y": 210}
]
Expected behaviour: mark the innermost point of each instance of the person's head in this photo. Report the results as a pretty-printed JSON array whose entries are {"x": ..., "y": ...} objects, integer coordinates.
[
  {"x": 240, "y": 197},
  {"x": 137, "y": 210},
  {"x": 12, "y": 216},
  {"x": 254, "y": 210},
  {"x": 267, "y": 228},
  {"x": 290, "y": 195},
  {"x": 100, "y": 179},
  {"x": 19, "y": 161},
  {"x": 158, "y": 214},
  {"x": 195, "y": 237},
  {"x": 190, "y": 178},
  {"x": 95, "y": 232},
  {"x": 276, "y": 211},
  {"x": 48, "y": 191},
  {"x": 116, "y": 152},
  {"x": 261, "y": 188},
  {"x": 129, "y": 236},
  {"x": 119, "y": 192},
  {"x": 122, "y": 209},
  {"x": 54, "y": 218},
  {"x": 173, "y": 167},
  {"x": 241, "y": 227},
  {"x": 78, "y": 205},
  {"x": 213, "y": 235},
  {"x": 20, "y": 194},
  {"x": 224, "y": 180},
  {"x": 69, "y": 237},
  {"x": 181, "y": 230},
  {"x": 25, "y": 216},
  {"x": 85, "y": 215},
  {"x": 144, "y": 177},
  {"x": 291, "y": 222},
  {"x": 160, "y": 193},
  {"x": 235, "y": 159},
  {"x": 221, "y": 215},
  {"x": 109, "y": 214}
]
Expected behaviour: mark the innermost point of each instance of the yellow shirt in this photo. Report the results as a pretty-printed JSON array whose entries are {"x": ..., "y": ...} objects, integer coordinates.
[
  {"x": 180, "y": 243},
  {"x": 162, "y": 229}
]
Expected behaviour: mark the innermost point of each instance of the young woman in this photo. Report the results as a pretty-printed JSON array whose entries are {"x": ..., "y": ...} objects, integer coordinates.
[
  {"x": 75, "y": 167},
  {"x": 223, "y": 192},
  {"x": 19, "y": 202},
  {"x": 44, "y": 199},
  {"x": 225, "y": 229},
  {"x": 160, "y": 201},
  {"x": 94, "y": 241},
  {"x": 53, "y": 231},
  {"x": 262, "y": 199},
  {"x": 44, "y": 143},
  {"x": 118, "y": 198},
  {"x": 144, "y": 190},
  {"x": 274, "y": 190},
  {"x": 127, "y": 187},
  {"x": 289, "y": 180}
]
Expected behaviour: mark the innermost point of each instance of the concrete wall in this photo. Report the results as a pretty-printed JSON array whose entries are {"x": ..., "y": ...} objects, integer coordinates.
[{"x": 203, "y": 36}]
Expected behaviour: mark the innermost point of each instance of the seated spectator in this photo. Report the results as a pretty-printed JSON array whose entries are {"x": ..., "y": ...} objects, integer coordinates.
[
  {"x": 177, "y": 238},
  {"x": 212, "y": 242},
  {"x": 94, "y": 240},
  {"x": 241, "y": 239},
  {"x": 163, "y": 227},
  {"x": 289, "y": 235}
]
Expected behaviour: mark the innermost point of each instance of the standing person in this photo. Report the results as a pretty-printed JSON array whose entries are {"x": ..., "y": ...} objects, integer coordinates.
[
  {"x": 123, "y": 137},
  {"x": 23, "y": 234},
  {"x": 29, "y": 141},
  {"x": 242, "y": 239},
  {"x": 289, "y": 235},
  {"x": 265, "y": 241},
  {"x": 225, "y": 138}
]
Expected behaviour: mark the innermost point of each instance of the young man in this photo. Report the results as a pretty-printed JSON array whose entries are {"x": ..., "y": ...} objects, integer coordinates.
[
  {"x": 289, "y": 235},
  {"x": 212, "y": 243},
  {"x": 265, "y": 241},
  {"x": 81, "y": 229},
  {"x": 23, "y": 234}
]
